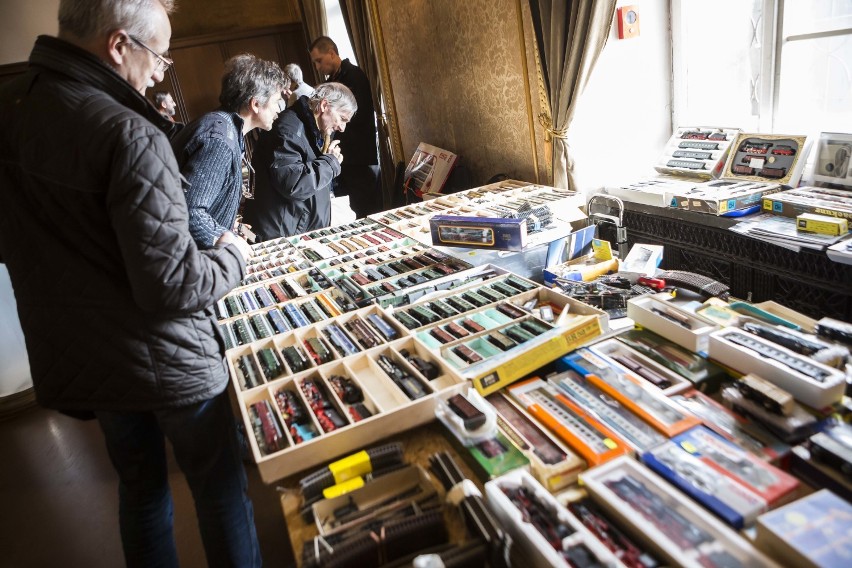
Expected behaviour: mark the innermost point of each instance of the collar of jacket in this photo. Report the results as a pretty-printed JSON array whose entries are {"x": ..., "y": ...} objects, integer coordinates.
[
  {"x": 66, "y": 58},
  {"x": 306, "y": 115},
  {"x": 341, "y": 71},
  {"x": 238, "y": 123}
]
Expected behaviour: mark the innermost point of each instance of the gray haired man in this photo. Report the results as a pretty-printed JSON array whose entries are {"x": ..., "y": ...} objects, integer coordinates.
[
  {"x": 296, "y": 164},
  {"x": 298, "y": 87},
  {"x": 210, "y": 150}
]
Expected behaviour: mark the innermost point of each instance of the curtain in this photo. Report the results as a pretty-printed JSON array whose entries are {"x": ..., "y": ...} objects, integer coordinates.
[
  {"x": 356, "y": 15},
  {"x": 571, "y": 35},
  {"x": 314, "y": 20}
]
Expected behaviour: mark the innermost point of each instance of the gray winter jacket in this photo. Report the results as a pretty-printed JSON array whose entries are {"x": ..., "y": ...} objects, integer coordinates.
[{"x": 113, "y": 295}]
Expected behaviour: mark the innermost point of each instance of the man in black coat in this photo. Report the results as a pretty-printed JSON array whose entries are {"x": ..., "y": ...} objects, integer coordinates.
[
  {"x": 360, "y": 176},
  {"x": 294, "y": 168},
  {"x": 115, "y": 299}
]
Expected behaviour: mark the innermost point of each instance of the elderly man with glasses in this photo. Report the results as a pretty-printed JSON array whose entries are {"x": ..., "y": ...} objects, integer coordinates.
[
  {"x": 210, "y": 151},
  {"x": 114, "y": 296}
]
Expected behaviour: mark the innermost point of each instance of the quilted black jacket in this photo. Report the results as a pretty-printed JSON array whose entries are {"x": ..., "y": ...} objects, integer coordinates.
[{"x": 113, "y": 295}]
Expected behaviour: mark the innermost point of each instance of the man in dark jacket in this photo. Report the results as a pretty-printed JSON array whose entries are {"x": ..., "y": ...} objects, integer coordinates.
[
  {"x": 114, "y": 296},
  {"x": 360, "y": 175},
  {"x": 210, "y": 150},
  {"x": 294, "y": 171}
]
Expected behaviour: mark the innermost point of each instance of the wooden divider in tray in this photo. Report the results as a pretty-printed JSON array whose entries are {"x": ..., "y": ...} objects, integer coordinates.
[
  {"x": 534, "y": 326},
  {"x": 358, "y": 398}
]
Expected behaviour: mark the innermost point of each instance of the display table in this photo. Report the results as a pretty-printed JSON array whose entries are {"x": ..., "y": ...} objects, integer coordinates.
[
  {"x": 807, "y": 281},
  {"x": 418, "y": 445}
]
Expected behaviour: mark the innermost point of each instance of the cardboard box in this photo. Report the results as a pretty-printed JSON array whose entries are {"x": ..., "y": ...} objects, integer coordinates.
[
  {"x": 586, "y": 393},
  {"x": 697, "y": 151},
  {"x": 725, "y": 497},
  {"x": 729, "y": 460},
  {"x": 748, "y": 434},
  {"x": 815, "y": 393},
  {"x": 640, "y": 397},
  {"x": 628, "y": 359},
  {"x": 815, "y": 200},
  {"x": 704, "y": 375},
  {"x": 391, "y": 409},
  {"x": 574, "y": 324},
  {"x": 478, "y": 232},
  {"x": 660, "y": 192},
  {"x": 541, "y": 448},
  {"x": 832, "y": 160},
  {"x": 813, "y": 532},
  {"x": 822, "y": 224},
  {"x": 661, "y": 315},
  {"x": 722, "y": 197},
  {"x": 767, "y": 158},
  {"x": 534, "y": 547},
  {"x": 664, "y": 519}
]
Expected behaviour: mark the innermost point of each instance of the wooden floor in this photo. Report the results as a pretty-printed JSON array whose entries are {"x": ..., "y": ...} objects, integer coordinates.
[{"x": 59, "y": 499}]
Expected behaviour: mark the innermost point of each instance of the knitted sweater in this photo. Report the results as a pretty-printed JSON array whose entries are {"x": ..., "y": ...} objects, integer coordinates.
[{"x": 209, "y": 153}]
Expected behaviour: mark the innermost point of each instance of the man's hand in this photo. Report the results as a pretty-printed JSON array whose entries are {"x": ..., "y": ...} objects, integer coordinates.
[
  {"x": 230, "y": 238},
  {"x": 334, "y": 150}
]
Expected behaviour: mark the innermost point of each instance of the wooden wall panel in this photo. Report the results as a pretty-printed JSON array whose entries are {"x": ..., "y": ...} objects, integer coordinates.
[
  {"x": 199, "y": 72},
  {"x": 197, "y": 17},
  {"x": 265, "y": 47},
  {"x": 199, "y": 62}
]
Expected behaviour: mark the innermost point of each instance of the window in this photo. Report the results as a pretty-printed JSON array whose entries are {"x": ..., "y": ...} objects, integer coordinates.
[
  {"x": 337, "y": 30},
  {"x": 780, "y": 66}
]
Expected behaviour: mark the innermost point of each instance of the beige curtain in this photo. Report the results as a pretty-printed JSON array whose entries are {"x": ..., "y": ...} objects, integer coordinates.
[
  {"x": 356, "y": 14},
  {"x": 313, "y": 17},
  {"x": 571, "y": 35}
]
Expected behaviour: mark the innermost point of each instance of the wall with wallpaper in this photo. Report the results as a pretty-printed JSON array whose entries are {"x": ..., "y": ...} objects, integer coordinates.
[{"x": 458, "y": 82}]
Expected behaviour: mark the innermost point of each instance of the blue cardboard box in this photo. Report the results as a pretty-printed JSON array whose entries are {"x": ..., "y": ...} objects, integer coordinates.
[{"x": 478, "y": 232}]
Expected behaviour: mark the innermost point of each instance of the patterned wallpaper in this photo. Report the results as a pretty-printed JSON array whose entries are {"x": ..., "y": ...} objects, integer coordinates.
[{"x": 457, "y": 80}]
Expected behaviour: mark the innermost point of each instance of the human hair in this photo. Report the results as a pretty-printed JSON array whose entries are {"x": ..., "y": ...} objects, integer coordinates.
[
  {"x": 324, "y": 44},
  {"x": 338, "y": 96},
  {"x": 247, "y": 77},
  {"x": 86, "y": 19},
  {"x": 294, "y": 72},
  {"x": 160, "y": 97}
]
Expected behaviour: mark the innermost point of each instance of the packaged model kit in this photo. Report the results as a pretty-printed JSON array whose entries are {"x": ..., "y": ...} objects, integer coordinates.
[
  {"x": 478, "y": 232},
  {"x": 640, "y": 435},
  {"x": 815, "y": 200},
  {"x": 587, "y": 435},
  {"x": 728, "y": 499},
  {"x": 833, "y": 161},
  {"x": 546, "y": 533},
  {"x": 642, "y": 398},
  {"x": 665, "y": 520},
  {"x": 813, "y": 532},
  {"x": 552, "y": 463},
  {"x": 728, "y": 459},
  {"x": 697, "y": 151}
]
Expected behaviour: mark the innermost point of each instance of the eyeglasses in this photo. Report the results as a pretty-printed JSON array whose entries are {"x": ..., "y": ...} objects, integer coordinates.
[
  {"x": 282, "y": 105},
  {"x": 163, "y": 63}
]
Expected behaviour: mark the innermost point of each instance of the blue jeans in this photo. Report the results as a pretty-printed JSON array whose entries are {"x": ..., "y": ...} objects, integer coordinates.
[{"x": 205, "y": 445}]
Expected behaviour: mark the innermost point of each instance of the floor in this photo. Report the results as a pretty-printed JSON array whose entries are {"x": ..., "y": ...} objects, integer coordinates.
[{"x": 60, "y": 504}]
